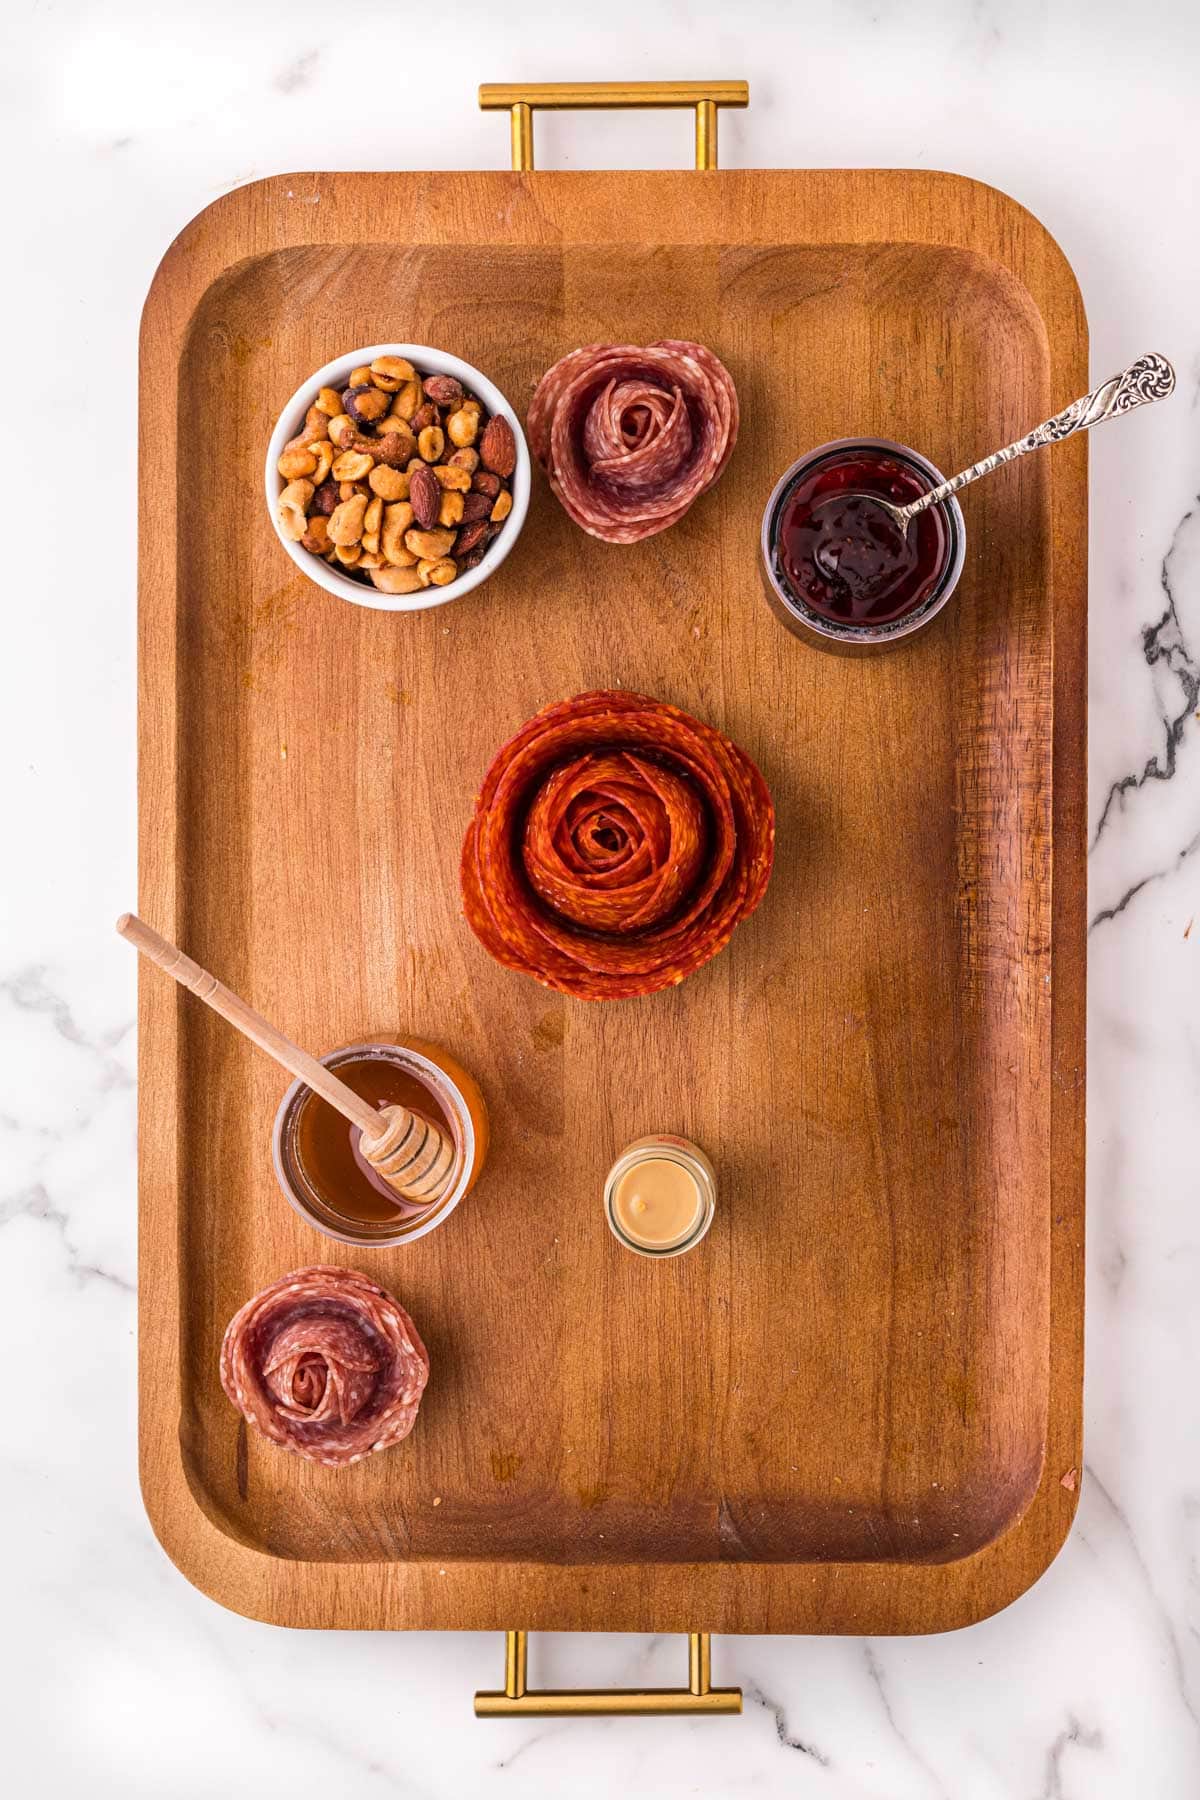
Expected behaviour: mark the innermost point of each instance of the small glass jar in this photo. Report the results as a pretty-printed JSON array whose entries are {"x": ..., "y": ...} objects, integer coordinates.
[
  {"x": 845, "y": 637},
  {"x": 452, "y": 1100},
  {"x": 684, "y": 1163}
]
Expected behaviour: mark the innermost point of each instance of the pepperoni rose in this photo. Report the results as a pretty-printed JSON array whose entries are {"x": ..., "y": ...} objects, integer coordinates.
[
  {"x": 325, "y": 1363},
  {"x": 629, "y": 438},
  {"x": 615, "y": 844}
]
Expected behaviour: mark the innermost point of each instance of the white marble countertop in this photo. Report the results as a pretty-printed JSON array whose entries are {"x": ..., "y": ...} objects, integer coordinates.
[{"x": 119, "y": 123}]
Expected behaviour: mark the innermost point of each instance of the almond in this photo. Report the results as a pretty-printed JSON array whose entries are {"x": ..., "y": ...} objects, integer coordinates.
[
  {"x": 483, "y": 483},
  {"x": 498, "y": 447},
  {"x": 425, "y": 496},
  {"x": 477, "y": 506},
  {"x": 470, "y": 536}
]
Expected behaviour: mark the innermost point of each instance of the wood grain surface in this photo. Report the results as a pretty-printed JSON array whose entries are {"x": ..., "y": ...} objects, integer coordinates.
[{"x": 852, "y": 1408}]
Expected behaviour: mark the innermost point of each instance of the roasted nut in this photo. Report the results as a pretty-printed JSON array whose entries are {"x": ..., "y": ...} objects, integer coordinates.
[
  {"x": 431, "y": 545},
  {"x": 425, "y": 494},
  {"x": 431, "y": 443},
  {"x": 316, "y": 538},
  {"x": 360, "y": 377},
  {"x": 391, "y": 580},
  {"x": 451, "y": 509},
  {"x": 291, "y": 508},
  {"x": 502, "y": 507},
  {"x": 476, "y": 506},
  {"x": 316, "y": 425},
  {"x": 424, "y": 415},
  {"x": 471, "y": 404},
  {"x": 395, "y": 445},
  {"x": 388, "y": 483},
  {"x": 438, "y": 573},
  {"x": 484, "y": 483},
  {"x": 348, "y": 489},
  {"x": 370, "y": 559},
  {"x": 353, "y": 465},
  {"x": 324, "y": 452},
  {"x": 348, "y": 554},
  {"x": 407, "y": 400},
  {"x": 396, "y": 521},
  {"x": 472, "y": 559},
  {"x": 295, "y": 463},
  {"x": 343, "y": 431},
  {"x": 372, "y": 516},
  {"x": 326, "y": 498},
  {"x": 450, "y": 477},
  {"x": 329, "y": 401},
  {"x": 346, "y": 524},
  {"x": 443, "y": 390},
  {"x": 365, "y": 404},
  {"x": 470, "y": 536},
  {"x": 498, "y": 447},
  {"x": 465, "y": 459},
  {"x": 463, "y": 426},
  {"x": 392, "y": 368}
]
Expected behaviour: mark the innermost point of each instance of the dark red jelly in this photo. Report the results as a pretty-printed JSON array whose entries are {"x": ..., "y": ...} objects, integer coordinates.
[{"x": 842, "y": 556}]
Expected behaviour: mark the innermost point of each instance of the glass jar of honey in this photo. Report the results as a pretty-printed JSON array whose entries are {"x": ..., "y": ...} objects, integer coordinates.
[
  {"x": 322, "y": 1170},
  {"x": 660, "y": 1196}
]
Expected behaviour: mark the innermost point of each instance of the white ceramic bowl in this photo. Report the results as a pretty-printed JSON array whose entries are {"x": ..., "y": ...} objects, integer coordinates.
[{"x": 426, "y": 362}]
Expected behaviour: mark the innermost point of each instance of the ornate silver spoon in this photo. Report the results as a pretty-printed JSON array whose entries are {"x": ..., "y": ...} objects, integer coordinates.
[{"x": 1149, "y": 378}]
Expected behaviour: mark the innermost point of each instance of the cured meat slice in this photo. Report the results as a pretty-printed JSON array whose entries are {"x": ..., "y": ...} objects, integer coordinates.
[
  {"x": 326, "y": 1364},
  {"x": 615, "y": 845},
  {"x": 630, "y": 437}
]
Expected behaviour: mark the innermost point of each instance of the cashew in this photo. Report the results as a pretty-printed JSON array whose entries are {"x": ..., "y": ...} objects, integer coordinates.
[
  {"x": 292, "y": 505},
  {"x": 388, "y": 483},
  {"x": 373, "y": 515},
  {"x": 437, "y": 573},
  {"x": 391, "y": 580},
  {"x": 346, "y": 523},
  {"x": 352, "y": 465},
  {"x": 431, "y": 443},
  {"x": 370, "y": 541},
  {"x": 396, "y": 521},
  {"x": 429, "y": 545},
  {"x": 450, "y": 511},
  {"x": 294, "y": 463},
  {"x": 463, "y": 427},
  {"x": 502, "y": 507}
]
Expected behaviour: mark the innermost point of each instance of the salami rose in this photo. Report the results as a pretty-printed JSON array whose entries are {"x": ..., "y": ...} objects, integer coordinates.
[
  {"x": 325, "y": 1363},
  {"x": 629, "y": 438},
  {"x": 615, "y": 844}
]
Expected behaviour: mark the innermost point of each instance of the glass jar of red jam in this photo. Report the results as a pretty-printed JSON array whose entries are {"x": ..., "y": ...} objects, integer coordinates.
[
  {"x": 837, "y": 570},
  {"x": 324, "y": 1173}
]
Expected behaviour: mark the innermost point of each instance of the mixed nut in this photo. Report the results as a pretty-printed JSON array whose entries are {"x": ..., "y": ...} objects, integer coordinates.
[{"x": 401, "y": 479}]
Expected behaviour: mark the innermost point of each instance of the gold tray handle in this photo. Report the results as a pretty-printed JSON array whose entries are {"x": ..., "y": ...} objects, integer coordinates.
[
  {"x": 574, "y": 96},
  {"x": 517, "y": 1700}
]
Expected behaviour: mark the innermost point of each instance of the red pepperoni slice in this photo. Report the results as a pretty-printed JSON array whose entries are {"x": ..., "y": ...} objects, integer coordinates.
[
  {"x": 629, "y": 438},
  {"x": 615, "y": 845},
  {"x": 326, "y": 1364}
]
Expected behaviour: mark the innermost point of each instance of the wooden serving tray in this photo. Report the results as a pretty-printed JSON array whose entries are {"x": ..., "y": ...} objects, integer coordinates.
[{"x": 853, "y": 1407}]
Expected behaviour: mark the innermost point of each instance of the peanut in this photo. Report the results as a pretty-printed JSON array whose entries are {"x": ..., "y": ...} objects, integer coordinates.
[
  {"x": 431, "y": 443},
  {"x": 465, "y": 459},
  {"x": 352, "y": 465},
  {"x": 450, "y": 477},
  {"x": 451, "y": 509},
  {"x": 463, "y": 427},
  {"x": 431, "y": 546},
  {"x": 343, "y": 431},
  {"x": 348, "y": 489},
  {"x": 365, "y": 404},
  {"x": 502, "y": 507},
  {"x": 346, "y": 524},
  {"x": 316, "y": 538},
  {"x": 388, "y": 483},
  {"x": 370, "y": 559},
  {"x": 324, "y": 452},
  {"x": 293, "y": 503},
  {"x": 407, "y": 401},
  {"x": 329, "y": 401},
  {"x": 391, "y": 368},
  {"x": 295, "y": 463},
  {"x": 391, "y": 580},
  {"x": 437, "y": 573},
  {"x": 360, "y": 377},
  {"x": 472, "y": 405},
  {"x": 348, "y": 554}
]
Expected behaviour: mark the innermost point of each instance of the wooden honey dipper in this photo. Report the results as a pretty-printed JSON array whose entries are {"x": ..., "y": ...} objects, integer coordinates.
[{"x": 411, "y": 1154}]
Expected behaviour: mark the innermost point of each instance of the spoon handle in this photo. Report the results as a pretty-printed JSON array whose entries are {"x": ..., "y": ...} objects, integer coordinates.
[{"x": 1151, "y": 377}]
